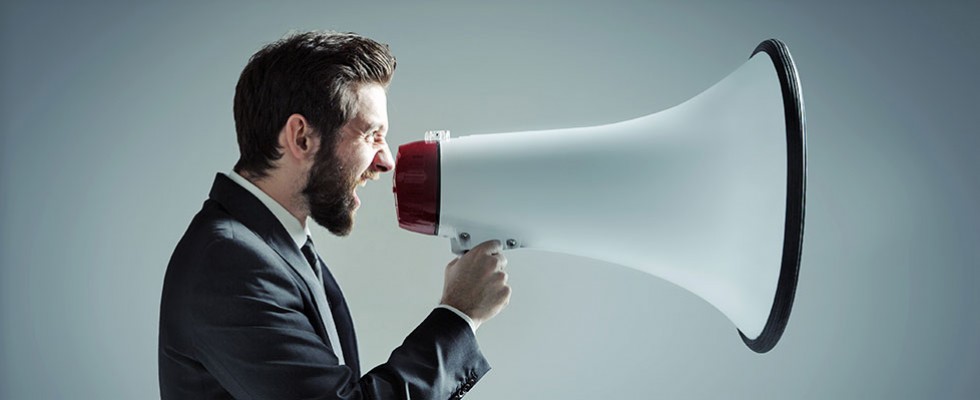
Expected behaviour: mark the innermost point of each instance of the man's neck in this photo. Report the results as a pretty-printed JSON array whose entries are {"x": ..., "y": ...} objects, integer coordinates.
[{"x": 283, "y": 192}]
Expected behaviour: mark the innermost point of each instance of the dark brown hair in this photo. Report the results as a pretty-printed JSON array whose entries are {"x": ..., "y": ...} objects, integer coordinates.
[{"x": 314, "y": 74}]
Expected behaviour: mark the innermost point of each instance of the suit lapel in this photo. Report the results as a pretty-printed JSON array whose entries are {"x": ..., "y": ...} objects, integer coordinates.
[{"x": 244, "y": 207}]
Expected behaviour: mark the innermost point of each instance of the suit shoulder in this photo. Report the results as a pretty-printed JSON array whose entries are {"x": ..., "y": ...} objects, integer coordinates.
[
  {"x": 215, "y": 240},
  {"x": 214, "y": 224},
  {"x": 217, "y": 249}
]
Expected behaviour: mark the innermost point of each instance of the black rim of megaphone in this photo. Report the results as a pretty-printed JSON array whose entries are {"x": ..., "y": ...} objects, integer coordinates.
[{"x": 795, "y": 196}]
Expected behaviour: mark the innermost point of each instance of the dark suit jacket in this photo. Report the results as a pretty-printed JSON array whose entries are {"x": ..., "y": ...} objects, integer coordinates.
[{"x": 238, "y": 321}]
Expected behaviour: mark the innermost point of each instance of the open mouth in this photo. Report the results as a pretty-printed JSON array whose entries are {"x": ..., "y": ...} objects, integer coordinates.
[{"x": 357, "y": 200}]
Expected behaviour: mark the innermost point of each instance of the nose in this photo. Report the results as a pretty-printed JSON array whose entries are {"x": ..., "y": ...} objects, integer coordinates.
[{"x": 383, "y": 161}]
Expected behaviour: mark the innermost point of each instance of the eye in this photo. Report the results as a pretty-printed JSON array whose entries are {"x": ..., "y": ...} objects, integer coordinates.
[{"x": 374, "y": 137}]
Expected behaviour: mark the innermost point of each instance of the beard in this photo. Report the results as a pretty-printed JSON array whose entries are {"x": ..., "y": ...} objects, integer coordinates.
[{"x": 329, "y": 192}]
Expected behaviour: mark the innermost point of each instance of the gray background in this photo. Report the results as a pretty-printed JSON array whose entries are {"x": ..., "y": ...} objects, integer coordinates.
[{"x": 115, "y": 118}]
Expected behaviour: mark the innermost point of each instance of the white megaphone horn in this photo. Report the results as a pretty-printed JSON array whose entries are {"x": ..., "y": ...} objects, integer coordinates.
[{"x": 708, "y": 195}]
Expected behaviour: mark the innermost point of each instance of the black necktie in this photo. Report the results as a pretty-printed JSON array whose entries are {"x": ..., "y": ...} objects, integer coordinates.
[
  {"x": 310, "y": 253},
  {"x": 338, "y": 306}
]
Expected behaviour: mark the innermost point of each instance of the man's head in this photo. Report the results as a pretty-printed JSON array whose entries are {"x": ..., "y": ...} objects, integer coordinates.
[{"x": 311, "y": 108}]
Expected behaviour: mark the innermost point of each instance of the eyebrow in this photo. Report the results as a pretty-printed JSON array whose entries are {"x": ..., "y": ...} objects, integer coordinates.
[{"x": 372, "y": 127}]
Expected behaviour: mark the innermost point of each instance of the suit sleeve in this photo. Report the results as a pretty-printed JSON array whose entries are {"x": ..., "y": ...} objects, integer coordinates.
[{"x": 249, "y": 331}]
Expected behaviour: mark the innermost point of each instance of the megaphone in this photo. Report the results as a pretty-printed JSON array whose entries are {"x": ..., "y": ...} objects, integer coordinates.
[{"x": 708, "y": 195}]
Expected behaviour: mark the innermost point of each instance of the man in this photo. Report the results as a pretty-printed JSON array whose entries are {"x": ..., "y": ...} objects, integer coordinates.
[{"x": 249, "y": 310}]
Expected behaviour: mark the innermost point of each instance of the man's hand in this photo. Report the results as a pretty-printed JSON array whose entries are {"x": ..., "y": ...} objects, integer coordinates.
[{"x": 476, "y": 283}]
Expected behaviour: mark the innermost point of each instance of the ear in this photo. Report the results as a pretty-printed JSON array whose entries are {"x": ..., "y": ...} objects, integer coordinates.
[{"x": 298, "y": 139}]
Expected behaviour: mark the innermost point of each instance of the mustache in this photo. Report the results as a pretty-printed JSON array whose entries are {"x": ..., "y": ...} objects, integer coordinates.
[{"x": 370, "y": 176}]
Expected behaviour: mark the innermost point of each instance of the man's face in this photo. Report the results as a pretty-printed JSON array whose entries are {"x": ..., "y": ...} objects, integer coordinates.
[{"x": 361, "y": 154}]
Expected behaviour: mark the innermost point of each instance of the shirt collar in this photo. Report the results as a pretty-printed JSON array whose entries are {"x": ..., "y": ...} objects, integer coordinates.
[{"x": 299, "y": 232}]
